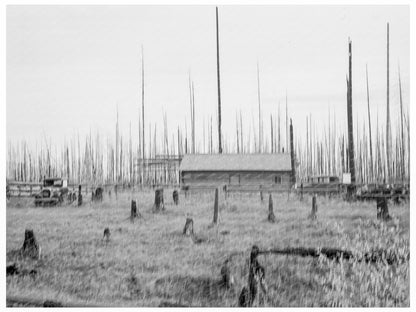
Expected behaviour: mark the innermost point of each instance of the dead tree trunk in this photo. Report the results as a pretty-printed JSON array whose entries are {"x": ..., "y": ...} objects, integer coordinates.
[
  {"x": 314, "y": 208},
  {"x": 256, "y": 278},
  {"x": 271, "y": 218},
  {"x": 175, "y": 197},
  {"x": 215, "y": 221},
  {"x": 30, "y": 246},
  {"x": 382, "y": 209},
  {"x": 79, "y": 196},
  {"x": 159, "y": 202},
  {"x": 188, "y": 230}
]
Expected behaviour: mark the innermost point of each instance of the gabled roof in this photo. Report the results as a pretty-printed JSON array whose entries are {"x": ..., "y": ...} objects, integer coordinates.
[{"x": 236, "y": 162}]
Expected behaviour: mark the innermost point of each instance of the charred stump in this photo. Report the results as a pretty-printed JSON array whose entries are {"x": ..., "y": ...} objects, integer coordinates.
[
  {"x": 79, "y": 196},
  {"x": 175, "y": 196},
  {"x": 107, "y": 234},
  {"x": 215, "y": 220},
  {"x": 271, "y": 218},
  {"x": 227, "y": 279},
  {"x": 133, "y": 211},
  {"x": 30, "y": 246},
  {"x": 97, "y": 195},
  {"x": 256, "y": 278},
  {"x": 301, "y": 192},
  {"x": 313, "y": 215},
  {"x": 159, "y": 202},
  {"x": 382, "y": 209},
  {"x": 188, "y": 230}
]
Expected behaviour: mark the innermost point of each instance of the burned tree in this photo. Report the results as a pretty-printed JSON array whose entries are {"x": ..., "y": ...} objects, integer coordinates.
[{"x": 271, "y": 217}]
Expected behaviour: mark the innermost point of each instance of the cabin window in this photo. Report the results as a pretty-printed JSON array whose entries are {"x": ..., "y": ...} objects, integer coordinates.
[{"x": 277, "y": 179}]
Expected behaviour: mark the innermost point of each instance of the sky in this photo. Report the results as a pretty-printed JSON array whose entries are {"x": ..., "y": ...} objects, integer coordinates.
[{"x": 68, "y": 68}]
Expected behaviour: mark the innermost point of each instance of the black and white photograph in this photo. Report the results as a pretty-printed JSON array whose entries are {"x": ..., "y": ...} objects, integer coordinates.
[{"x": 207, "y": 155}]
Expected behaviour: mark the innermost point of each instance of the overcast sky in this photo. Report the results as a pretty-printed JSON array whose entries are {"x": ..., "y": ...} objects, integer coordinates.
[{"x": 68, "y": 67}]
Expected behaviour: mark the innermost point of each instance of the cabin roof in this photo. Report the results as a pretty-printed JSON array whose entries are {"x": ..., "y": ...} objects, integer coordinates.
[{"x": 236, "y": 162}]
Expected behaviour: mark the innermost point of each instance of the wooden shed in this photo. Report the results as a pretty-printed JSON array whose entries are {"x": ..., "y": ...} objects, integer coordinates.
[{"x": 236, "y": 171}]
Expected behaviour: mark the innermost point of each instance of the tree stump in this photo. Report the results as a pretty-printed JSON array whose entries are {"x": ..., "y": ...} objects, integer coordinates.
[
  {"x": 133, "y": 211},
  {"x": 227, "y": 279},
  {"x": 107, "y": 234},
  {"x": 159, "y": 202},
  {"x": 30, "y": 246},
  {"x": 271, "y": 218},
  {"x": 256, "y": 278},
  {"x": 175, "y": 196},
  {"x": 188, "y": 230},
  {"x": 79, "y": 196},
  {"x": 215, "y": 220},
  {"x": 301, "y": 192},
  {"x": 382, "y": 209},
  {"x": 314, "y": 208}
]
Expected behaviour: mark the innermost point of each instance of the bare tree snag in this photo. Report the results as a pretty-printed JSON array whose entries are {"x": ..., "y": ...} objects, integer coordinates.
[
  {"x": 382, "y": 209},
  {"x": 188, "y": 230},
  {"x": 79, "y": 196},
  {"x": 271, "y": 218},
  {"x": 314, "y": 208},
  {"x": 159, "y": 202},
  {"x": 215, "y": 221},
  {"x": 175, "y": 196},
  {"x": 30, "y": 246}
]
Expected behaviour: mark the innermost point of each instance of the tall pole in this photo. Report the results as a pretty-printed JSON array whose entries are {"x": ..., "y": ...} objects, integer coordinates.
[
  {"x": 143, "y": 145},
  {"x": 287, "y": 128},
  {"x": 401, "y": 124},
  {"x": 258, "y": 95},
  {"x": 369, "y": 124},
  {"x": 388, "y": 139},
  {"x": 350, "y": 121},
  {"x": 292, "y": 154},
  {"x": 219, "y": 88}
]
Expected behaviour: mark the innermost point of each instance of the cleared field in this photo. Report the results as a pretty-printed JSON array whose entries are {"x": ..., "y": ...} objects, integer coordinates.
[{"x": 149, "y": 261}]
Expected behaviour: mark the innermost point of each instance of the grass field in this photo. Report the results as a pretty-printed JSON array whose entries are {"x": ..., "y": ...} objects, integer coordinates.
[{"x": 150, "y": 261}]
